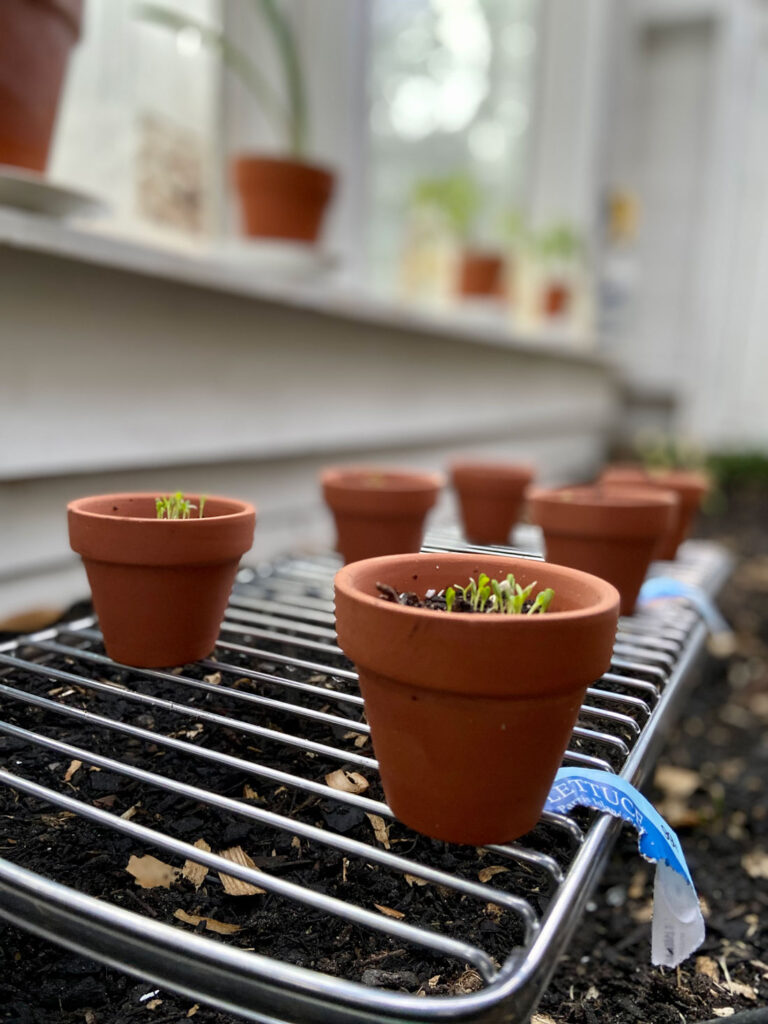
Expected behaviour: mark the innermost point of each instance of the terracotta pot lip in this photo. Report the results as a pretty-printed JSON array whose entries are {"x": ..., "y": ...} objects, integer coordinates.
[
  {"x": 281, "y": 160},
  {"x": 681, "y": 477},
  {"x": 483, "y": 467},
  {"x": 608, "y": 495},
  {"x": 352, "y": 478},
  {"x": 79, "y": 507},
  {"x": 607, "y": 596}
]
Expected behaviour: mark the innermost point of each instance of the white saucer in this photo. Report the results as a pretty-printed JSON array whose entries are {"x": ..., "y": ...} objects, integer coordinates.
[
  {"x": 275, "y": 257},
  {"x": 23, "y": 189}
]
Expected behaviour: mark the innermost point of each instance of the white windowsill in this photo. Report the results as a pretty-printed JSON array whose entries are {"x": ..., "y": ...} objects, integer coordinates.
[{"x": 199, "y": 265}]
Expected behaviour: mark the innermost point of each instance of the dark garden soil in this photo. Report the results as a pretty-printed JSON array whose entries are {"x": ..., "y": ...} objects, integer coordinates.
[{"x": 710, "y": 784}]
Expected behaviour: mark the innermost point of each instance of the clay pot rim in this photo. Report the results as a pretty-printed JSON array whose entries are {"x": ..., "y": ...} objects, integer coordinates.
[
  {"x": 615, "y": 496},
  {"x": 350, "y": 479},
  {"x": 78, "y": 507},
  {"x": 606, "y": 595},
  {"x": 487, "y": 467},
  {"x": 278, "y": 160},
  {"x": 687, "y": 478}
]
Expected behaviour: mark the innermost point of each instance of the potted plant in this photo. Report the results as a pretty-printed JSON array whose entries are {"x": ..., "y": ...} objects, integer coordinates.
[
  {"x": 558, "y": 248},
  {"x": 160, "y": 585},
  {"x": 282, "y": 196},
  {"x": 609, "y": 532},
  {"x": 490, "y": 497},
  {"x": 470, "y": 714},
  {"x": 480, "y": 271},
  {"x": 690, "y": 486},
  {"x": 36, "y": 37},
  {"x": 379, "y": 511}
]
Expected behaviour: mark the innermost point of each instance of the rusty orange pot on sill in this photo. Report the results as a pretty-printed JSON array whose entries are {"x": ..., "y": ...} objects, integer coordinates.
[
  {"x": 470, "y": 714},
  {"x": 610, "y": 532},
  {"x": 160, "y": 587},
  {"x": 481, "y": 274},
  {"x": 36, "y": 37},
  {"x": 282, "y": 198},
  {"x": 490, "y": 498},
  {"x": 379, "y": 511},
  {"x": 689, "y": 485}
]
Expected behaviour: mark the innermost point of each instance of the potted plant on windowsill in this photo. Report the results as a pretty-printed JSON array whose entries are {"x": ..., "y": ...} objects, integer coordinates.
[
  {"x": 378, "y": 511},
  {"x": 480, "y": 269},
  {"x": 609, "y": 532},
  {"x": 490, "y": 497},
  {"x": 282, "y": 196},
  {"x": 470, "y": 714},
  {"x": 36, "y": 37},
  {"x": 160, "y": 585},
  {"x": 558, "y": 249}
]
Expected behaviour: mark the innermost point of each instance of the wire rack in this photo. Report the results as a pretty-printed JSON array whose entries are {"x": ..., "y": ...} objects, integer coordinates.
[{"x": 258, "y": 730}]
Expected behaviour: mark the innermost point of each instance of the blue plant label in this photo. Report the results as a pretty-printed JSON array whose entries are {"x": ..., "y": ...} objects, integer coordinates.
[
  {"x": 658, "y": 588},
  {"x": 678, "y": 925}
]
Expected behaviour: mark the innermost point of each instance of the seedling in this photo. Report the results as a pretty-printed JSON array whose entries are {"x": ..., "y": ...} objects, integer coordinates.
[
  {"x": 505, "y": 597},
  {"x": 483, "y": 595},
  {"x": 176, "y": 506}
]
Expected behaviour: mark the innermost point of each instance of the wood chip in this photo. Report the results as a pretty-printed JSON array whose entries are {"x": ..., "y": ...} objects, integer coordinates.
[
  {"x": 415, "y": 880},
  {"x": 151, "y": 873},
  {"x": 542, "y": 1018},
  {"x": 361, "y": 740},
  {"x": 250, "y": 793},
  {"x": 130, "y": 812},
  {"x": 755, "y": 863},
  {"x": 707, "y": 966},
  {"x": 347, "y": 782},
  {"x": 73, "y": 766},
  {"x": 234, "y": 886},
  {"x": 388, "y": 911},
  {"x": 194, "y": 872},
  {"x": 210, "y": 923},
  {"x": 193, "y": 1010},
  {"x": 737, "y": 988},
  {"x": 380, "y": 829},
  {"x": 677, "y": 782},
  {"x": 723, "y": 1011},
  {"x": 154, "y": 1003},
  {"x": 295, "y": 842},
  {"x": 486, "y": 874},
  {"x": 470, "y": 981},
  {"x": 214, "y": 678}
]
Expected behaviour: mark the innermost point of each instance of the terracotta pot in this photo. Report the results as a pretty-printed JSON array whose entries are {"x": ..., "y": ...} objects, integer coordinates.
[
  {"x": 282, "y": 198},
  {"x": 490, "y": 497},
  {"x": 481, "y": 274},
  {"x": 36, "y": 37},
  {"x": 470, "y": 714},
  {"x": 610, "y": 532},
  {"x": 690, "y": 487},
  {"x": 160, "y": 587},
  {"x": 379, "y": 511},
  {"x": 557, "y": 299}
]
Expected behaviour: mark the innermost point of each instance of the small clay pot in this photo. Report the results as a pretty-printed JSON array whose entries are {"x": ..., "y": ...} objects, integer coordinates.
[
  {"x": 689, "y": 485},
  {"x": 470, "y": 714},
  {"x": 610, "y": 532},
  {"x": 490, "y": 498},
  {"x": 557, "y": 299},
  {"x": 282, "y": 198},
  {"x": 160, "y": 587},
  {"x": 481, "y": 274},
  {"x": 379, "y": 511},
  {"x": 36, "y": 37}
]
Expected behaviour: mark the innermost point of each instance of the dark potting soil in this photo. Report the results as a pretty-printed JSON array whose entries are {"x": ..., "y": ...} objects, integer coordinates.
[
  {"x": 711, "y": 786},
  {"x": 435, "y": 601}
]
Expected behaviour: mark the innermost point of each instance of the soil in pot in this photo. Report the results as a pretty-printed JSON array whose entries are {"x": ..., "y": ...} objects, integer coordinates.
[
  {"x": 471, "y": 714},
  {"x": 610, "y": 532},
  {"x": 35, "y": 41},
  {"x": 379, "y": 511},
  {"x": 481, "y": 274},
  {"x": 490, "y": 497},
  {"x": 282, "y": 198},
  {"x": 690, "y": 486},
  {"x": 160, "y": 587}
]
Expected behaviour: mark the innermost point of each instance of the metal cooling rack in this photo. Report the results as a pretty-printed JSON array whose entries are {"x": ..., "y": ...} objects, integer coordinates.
[{"x": 277, "y": 655}]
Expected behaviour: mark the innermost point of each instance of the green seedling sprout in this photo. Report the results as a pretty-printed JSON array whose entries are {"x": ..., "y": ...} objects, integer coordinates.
[
  {"x": 176, "y": 506},
  {"x": 505, "y": 597}
]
